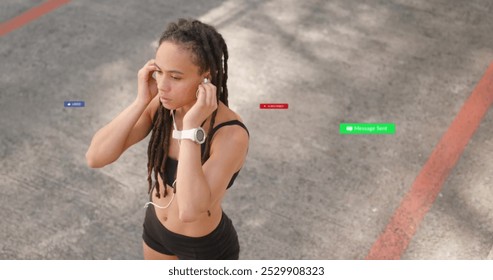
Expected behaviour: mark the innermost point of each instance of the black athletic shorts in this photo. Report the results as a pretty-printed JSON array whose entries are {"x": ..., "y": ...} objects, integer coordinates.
[{"x": 221, "y": 244}]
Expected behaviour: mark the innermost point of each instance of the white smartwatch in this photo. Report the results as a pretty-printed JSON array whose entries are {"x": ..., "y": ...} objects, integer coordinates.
[{"x": 197, "y": 135}]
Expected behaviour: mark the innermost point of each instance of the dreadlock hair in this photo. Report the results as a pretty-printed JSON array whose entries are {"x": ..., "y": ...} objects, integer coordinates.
[{"x": 209, "y": 52}]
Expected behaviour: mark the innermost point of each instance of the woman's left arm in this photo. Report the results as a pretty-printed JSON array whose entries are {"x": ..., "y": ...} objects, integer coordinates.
[{"x": 200, "y": 187}]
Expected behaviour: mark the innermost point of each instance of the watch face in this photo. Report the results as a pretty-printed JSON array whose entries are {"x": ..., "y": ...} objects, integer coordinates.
[{"x": 200, "y": 135}]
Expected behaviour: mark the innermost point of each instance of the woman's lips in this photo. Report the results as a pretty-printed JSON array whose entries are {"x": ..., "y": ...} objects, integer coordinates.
[{"x": 164, "y": 99}]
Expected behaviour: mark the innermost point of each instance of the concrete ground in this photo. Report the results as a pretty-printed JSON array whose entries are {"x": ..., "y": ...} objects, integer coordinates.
[{"x": 305, "y": 192}]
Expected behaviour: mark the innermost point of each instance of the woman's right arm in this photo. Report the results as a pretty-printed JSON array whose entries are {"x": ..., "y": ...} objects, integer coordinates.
[{"x": 130, "y": 126}]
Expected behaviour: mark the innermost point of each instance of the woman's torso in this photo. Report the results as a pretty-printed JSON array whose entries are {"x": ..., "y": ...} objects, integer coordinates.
[{"x": 169, "y": 217}]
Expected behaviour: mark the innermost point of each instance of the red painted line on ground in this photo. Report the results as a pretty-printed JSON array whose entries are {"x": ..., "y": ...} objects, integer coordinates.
[
  {"x": 396, "y": 237},
  {"x": 30, "y": 15}
]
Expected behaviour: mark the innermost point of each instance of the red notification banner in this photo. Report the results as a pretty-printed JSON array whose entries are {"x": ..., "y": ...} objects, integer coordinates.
[{"x": 274, "y": 106}]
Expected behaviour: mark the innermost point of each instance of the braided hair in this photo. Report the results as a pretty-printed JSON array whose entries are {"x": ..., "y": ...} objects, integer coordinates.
[{"x": 209, "y": 52}]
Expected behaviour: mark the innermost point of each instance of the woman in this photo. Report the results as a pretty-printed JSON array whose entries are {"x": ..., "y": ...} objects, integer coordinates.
[{"x": 196, "y": 149}]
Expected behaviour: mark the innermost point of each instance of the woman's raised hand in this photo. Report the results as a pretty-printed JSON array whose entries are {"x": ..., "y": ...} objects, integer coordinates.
[
  {"x": 147, "y": 85},
  {"x": 203, "y": 108}
]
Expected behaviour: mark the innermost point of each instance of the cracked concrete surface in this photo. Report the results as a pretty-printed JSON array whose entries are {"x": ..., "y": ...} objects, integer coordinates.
[{"x": 305, "y": 192}]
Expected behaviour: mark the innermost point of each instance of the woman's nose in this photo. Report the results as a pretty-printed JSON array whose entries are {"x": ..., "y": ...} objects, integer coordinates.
[{"x": 163, "y": 84}]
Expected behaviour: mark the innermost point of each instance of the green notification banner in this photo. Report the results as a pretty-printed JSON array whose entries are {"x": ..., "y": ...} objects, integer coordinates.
[{"x": 367, "y": 128}]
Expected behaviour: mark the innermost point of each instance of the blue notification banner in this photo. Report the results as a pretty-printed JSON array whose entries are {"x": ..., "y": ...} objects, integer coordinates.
[{"x": 74, "y": 104}]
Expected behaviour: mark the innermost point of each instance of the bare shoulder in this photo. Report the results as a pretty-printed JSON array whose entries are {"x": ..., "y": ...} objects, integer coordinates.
[
  {"x": 230, "y": 138},
  {"x": 225, "y": 114}
]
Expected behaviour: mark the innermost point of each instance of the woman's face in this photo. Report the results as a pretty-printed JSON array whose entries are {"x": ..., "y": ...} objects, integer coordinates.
[{"x": 178, "y": 78}]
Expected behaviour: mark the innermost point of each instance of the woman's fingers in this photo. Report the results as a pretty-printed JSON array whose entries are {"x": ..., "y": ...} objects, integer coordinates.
[
  {"x": 207, "y": 95},
  {"x": 152, "y": 68},
  {"x": 204, "y": 106},
  {"x": 148, "y": 70},
  {"x": 147, "y": 85},
  {"x": 212, "y": 99}
]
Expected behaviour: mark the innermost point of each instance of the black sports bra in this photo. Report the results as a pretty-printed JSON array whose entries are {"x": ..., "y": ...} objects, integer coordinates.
[{"x": 172, "y": 164}]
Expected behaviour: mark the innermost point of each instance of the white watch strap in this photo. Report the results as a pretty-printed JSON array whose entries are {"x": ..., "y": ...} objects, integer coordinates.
[
  {"x": 176, "y": 134},
  {"x": 184, "y": 134},
  {"x": 188, "y": 134}
]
